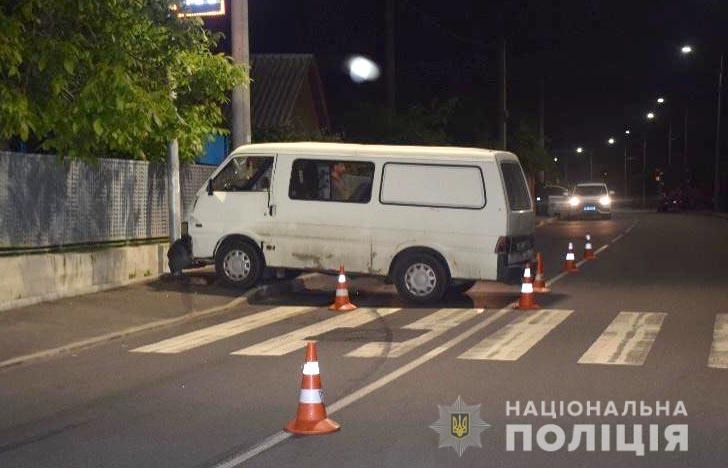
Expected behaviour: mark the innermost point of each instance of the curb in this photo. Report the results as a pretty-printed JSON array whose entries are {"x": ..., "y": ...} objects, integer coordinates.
[{"x": 261, "y": 292}]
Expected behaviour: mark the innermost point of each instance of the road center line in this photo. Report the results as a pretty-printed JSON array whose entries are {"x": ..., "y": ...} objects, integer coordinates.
[{"x": 343, "y": 402}]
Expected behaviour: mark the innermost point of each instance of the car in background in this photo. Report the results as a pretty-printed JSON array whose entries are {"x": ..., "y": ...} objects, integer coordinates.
[
  {"x": 551, "y": 199},
  {"x": 590, "y": 200}
]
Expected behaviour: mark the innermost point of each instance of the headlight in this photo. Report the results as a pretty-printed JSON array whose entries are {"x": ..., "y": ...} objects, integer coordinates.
[
  {"x": 605, "y": 200},
  {"x": 574, "y": 201}
]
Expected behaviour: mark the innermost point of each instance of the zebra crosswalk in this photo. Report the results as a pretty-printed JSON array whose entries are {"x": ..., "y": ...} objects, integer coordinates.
[{"x": 626, "y": 341}]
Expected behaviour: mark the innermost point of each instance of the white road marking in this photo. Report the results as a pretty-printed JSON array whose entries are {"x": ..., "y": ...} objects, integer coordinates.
[
  {"x": 224, "y": 330},
  {"x": 719, "y": 349},
  {"x": 278, "y": 437},
  {"x": 626, "y": 341},
  {"x": 289, "y": 342},
  {"x": 353, "y": 397},
  {"x": 515, "y": 339},
  {"x": 436, "y": 323}
]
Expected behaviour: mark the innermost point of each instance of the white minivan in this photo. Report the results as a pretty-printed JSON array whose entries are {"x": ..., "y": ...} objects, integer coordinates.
[{"x": 428, "y": 219}]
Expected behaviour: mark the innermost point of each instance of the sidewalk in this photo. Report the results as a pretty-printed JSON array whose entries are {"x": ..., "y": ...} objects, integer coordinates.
[{"x": 55, "y": 327}]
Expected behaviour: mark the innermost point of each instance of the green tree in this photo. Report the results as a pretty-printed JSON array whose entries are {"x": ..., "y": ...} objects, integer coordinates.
[
  {"x": 416, "y": 125},
  {"x": 523, "y": 141},
  {"x": 110, "y": 78}
]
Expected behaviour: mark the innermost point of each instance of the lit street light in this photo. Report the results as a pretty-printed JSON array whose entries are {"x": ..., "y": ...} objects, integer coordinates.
[
  {"x": 556, "y": 159},
  {"x": 626, "y": 132},
  {"x": 660, "y": 100},
  {"x": 362, "y": 69},
  {"x": 611, "y": 141},
  {"x": 650, "y": 116},
  {"x": 581, "y": 150},
  {"x": 686, "y": 49}
]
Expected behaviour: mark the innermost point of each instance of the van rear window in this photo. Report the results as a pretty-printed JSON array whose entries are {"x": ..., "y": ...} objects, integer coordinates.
[
  {"x": 432, "y": 185},
  {"x": 516, "y": 189}
]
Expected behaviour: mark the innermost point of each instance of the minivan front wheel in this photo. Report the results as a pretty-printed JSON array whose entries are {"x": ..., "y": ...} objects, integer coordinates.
[
  {"x": 421, "y": 277},
  {"x": 239, "y": 264}
]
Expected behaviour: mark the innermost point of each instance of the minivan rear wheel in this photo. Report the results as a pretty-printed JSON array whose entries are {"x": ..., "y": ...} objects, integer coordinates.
[
  {"x": 239, "y": 264},
  {"x": 421, "y": 277}
]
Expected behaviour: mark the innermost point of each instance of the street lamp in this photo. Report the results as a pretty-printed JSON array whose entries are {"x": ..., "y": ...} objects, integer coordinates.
[
  {"x": 686, "y": 49},
  {"x": 650, "y": 115},
  {"x": 591, "y": 166},
  {"x": 626, "y": 146},
  {"x": 660, "y": 100},
  {"x": 611, "y": 141},
  {"x": 556, "y": 159}
]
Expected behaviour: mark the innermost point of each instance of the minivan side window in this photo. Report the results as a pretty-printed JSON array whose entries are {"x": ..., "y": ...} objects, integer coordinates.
[
  {"x": 244, "y": 174},
  {"x": 327, "y": 180},
  {"x": 516, "y": 188}
]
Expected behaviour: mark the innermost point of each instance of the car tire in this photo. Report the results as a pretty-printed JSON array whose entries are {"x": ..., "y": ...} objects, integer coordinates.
[
  {"x": 460, "y": 287},
  {"x": 239, "y": 264},
  {"x": 421, "y": 277}
]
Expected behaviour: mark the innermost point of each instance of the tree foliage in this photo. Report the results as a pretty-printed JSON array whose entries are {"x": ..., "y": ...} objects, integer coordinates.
[
  {"x": 110, "y": 78},
  {"x": 416, "y": 125}
]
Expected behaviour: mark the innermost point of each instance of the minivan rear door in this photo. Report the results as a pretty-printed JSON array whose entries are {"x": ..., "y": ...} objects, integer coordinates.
[{"x": 520, "y": 217}]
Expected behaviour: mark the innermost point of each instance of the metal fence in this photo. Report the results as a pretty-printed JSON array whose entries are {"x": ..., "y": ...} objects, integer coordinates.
[{"x": 45, "y": 202}]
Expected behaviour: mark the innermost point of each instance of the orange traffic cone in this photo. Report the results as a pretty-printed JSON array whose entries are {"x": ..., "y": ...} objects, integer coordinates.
[
  {"x": 570, "y": 265},
  {"x": 341, "y": 300},
  {"x": 588, "y": 252},
  {"x": 311, "y": 415},
  {"x": 527, "y": 301},
  {"x": 539, "y": 284}
]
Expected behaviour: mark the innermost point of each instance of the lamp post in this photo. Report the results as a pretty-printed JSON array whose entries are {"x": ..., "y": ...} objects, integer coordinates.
[
  {"x": 717, "y": 201},
  {"x": 661, "y": 101},
  {"x": 626, "y": 176},
  {"x": 580, "y": 150},
  {"x": 650, "y": 117}
]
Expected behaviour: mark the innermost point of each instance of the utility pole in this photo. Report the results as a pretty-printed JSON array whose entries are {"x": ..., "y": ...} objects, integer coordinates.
[
  {"x": 669, "y": 143},
  {"x": 390, "y": 74},
  {"x": 241, "y": 131},
  {"x": 626, "y": 179},
  {"x": 685, "y": 140},
  {"x": 644, "y": 170},
  {"x": 502, "y": 104},
  {"x": 174, "y": 198},
  {"x": 541, "y": 113},
  {"x": 717, "y": 200}
]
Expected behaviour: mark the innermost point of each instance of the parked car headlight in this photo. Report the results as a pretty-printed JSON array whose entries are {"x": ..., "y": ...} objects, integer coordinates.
[
  {"x": 605, "y": 200},
  {"x": 574, "y": 201}
]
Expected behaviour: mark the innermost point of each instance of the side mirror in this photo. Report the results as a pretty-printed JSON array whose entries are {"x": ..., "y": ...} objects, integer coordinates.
[
  {"x": 612, "y": 192},
  {"x": 209, "y": 186}
]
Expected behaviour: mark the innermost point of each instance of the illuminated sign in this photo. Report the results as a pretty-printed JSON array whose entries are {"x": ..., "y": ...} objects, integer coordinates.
[{"x": 202, "y": 7}]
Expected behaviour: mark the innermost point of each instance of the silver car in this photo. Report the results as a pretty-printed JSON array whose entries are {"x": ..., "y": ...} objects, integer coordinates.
[{"x": 590, "y": 200}]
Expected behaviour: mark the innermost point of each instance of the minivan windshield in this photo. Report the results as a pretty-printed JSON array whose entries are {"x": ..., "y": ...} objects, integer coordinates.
[{"x": 590, "y": 190}]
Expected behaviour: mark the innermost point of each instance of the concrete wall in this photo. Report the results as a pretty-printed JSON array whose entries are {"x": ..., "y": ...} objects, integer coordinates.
[{"x": 29, "y": 279}]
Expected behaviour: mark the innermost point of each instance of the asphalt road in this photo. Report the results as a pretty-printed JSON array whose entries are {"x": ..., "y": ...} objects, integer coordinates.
[{"x": 635, "y": 325}]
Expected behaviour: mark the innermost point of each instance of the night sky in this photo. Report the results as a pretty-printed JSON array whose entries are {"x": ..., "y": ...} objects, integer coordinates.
[{"x": 604, "y": 62}]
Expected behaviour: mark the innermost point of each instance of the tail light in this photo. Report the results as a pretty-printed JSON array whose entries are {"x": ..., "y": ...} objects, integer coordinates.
[{"x": 502, "y": 245}]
